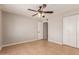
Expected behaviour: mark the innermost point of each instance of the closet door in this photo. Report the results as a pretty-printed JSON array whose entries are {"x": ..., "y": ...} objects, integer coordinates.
[
  {"x": 77, "y": 31},
  {"x": 69, "y": 30}
]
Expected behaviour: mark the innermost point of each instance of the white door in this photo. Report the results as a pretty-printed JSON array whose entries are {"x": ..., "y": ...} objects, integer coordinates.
[
  {"x": 40, "y": 30},
  {"x": 69, "y": 31}
]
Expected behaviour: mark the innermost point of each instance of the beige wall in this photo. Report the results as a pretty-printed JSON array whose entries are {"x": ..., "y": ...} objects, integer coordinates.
[{"x": 18, "y": 28}]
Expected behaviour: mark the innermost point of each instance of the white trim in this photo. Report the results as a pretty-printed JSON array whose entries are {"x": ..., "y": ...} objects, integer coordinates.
[
  {"x": 18, "y": 43},
  {"x": 55, "y": 42}
]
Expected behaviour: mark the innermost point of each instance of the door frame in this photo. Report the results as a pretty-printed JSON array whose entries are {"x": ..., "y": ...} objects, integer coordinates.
[
  {"x": 42, "y": 29},
  {"x": 47, "y": 29}
]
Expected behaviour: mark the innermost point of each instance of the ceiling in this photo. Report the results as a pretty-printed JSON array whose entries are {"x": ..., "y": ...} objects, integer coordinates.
[{"x": 22, "y": 8}]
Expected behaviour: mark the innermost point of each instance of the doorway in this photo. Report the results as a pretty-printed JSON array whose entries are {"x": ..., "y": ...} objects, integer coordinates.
[
  {"x": 45, "y": 30},
  {"x": 40, "y": 30}
]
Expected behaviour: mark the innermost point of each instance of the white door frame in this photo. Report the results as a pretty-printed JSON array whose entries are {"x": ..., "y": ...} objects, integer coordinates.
[{"x": 40, "y": 30}]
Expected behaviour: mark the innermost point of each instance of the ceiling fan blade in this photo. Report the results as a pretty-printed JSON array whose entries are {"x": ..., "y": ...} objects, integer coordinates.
[
  {"x": 40, "y": 7},
  {"x": 48, "y": 11},
  {"x": 35, "y": 14},
  {"x": 32, "y": 10}
]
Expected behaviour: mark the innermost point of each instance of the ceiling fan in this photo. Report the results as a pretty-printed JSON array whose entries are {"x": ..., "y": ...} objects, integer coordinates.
[{"x": 41, "y": 11}]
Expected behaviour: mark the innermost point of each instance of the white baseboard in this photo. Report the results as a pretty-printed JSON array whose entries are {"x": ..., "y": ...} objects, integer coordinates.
[
  {"x": 55, "y": 42},
  {"x": 18, "y": 43},
  {"x": 27, "y": 41}
]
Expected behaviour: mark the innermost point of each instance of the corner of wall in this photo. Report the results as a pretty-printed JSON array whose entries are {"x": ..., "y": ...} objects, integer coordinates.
[{"x": 55, "y": 42}]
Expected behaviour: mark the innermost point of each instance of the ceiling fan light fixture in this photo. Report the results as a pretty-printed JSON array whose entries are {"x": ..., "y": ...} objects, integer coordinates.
[{"x": 39, "y": 14}]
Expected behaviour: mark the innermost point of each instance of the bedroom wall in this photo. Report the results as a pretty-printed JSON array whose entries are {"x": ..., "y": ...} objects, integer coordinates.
[
  {"x": 55, "y": 29},
  {"x": 55, "y": 26},
  {"x": 17, "y": 28}
]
